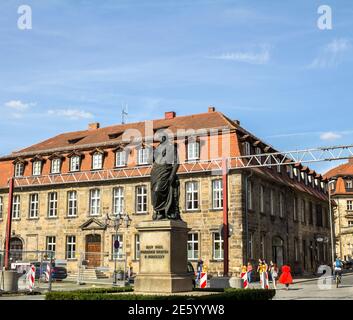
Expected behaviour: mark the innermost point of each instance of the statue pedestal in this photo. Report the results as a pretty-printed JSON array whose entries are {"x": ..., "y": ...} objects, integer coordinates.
[{"x": 163, "y": 258}]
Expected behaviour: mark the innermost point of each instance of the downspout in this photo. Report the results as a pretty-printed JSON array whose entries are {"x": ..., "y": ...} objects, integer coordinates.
[
  {"x": 246, "y": 216},
  {"x": 8, "y": 226}
]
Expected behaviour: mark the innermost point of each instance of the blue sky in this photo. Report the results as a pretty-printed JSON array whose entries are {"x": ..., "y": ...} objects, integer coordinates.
[{"x": 265, "y": 63}]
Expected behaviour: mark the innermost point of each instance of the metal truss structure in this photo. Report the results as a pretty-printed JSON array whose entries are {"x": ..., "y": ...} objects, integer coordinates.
[{"x": 214, "y": 165}]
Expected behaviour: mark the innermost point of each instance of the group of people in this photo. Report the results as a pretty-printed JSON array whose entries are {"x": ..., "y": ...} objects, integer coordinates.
[{"x": 265, "y": 271}]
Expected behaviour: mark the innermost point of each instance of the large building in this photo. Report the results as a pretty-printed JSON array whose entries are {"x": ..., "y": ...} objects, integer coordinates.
[
  {"x": 65, "y": 186},
  {"x": 341, "y": 189}
]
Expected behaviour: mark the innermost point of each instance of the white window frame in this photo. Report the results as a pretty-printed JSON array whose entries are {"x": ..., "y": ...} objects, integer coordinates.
[
  {"x": 349, "y": 184},
  {"x": 137, "y": 246},
  {"x": 247, "y": 148},
  {"x": 193, "y": 246},
  {"x": 120, "y": 158},
  {"x": 55, "y": 166},
  {"x": 143, "y": 156},
  {"x": 52, "y": 204},
  {"x": 262, "y": 199},
  {"x": 75, "y": 163},
  {"x": 217, "y": 194},
  {"x": 349, "y": 205},
  {"x": 193, "y": 150},
  {"x": 281, "y": 205},
  {"x": 72, "y": 203},
  {"x": 258, "y": 150},
  {"x": 141, "y": 199},
  {"x": 295, "y": 209},
  {"x": 303, "y": 204},
  {"x": 118, "y": 200},
  {"x": 94, "y": 202},
  {"x": 217, "y": 240},
  {"x": 191, "y": 195},
  {"x": 19, "y": 169},
  {"x": 33, "y": 205},
  {"x": 16, "y": 207},
  {"x": 70, "y": 251},
  {"x": 37, "y": 168},
  {"x": 50, "y": 243},
  {"x": 97, "y": 161},
  {"x": 118, "y": 254},
  {"x": 272, "y": 203}
]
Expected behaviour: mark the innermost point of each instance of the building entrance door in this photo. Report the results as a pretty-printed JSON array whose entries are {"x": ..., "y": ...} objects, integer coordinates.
[
  {"x": 93, "y": 250},
  {"x": 277, "y": 251}
]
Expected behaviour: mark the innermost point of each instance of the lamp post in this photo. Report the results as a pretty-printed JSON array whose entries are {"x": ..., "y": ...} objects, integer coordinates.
[
  {"x": 116, "y": 221},
  {"x": 331, "y": 222}
]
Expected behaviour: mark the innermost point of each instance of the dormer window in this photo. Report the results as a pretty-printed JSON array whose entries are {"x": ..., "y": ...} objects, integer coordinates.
[
  {"x": 258, "y": 150},
  {"x": 19, "y": 169},
  {"x": 193, "y": 150},
  {"x": 37, "y": 168},
  {"x": 75, "y": 163},
  {"x": 247, "y": 148},
  {"x": 290, "y": 171},
  {"x": 56, "y": 165},
  {"x": 349, "y": 184},
  {"x": 97, "y": 161},
  {"x": 142, "y": 156},
  {"x": 120, "y": 158}
]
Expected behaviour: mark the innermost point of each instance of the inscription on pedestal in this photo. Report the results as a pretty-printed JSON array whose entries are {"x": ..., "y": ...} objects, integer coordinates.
[{"x": 154, "y": 252}]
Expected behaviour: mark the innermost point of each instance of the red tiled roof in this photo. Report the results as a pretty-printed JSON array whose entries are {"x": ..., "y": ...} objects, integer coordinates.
[{"x": 341, "y": 170}]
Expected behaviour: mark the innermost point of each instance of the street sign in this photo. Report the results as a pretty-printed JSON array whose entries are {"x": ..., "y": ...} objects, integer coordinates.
[{"x": 116, "y": 244}]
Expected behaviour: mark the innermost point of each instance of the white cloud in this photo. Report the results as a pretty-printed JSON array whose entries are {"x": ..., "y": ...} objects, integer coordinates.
[
  {"x": 18, "y": 105},
  {"x": 332, "y": 54},
  {"x": 330, "y": 136},
  {"x": 73, "y": 114},
  {"x": 261, "y": 57}
]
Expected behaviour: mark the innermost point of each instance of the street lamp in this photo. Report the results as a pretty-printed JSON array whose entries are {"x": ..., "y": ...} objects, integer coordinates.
[
  {"x": 116, "y": 221},
  {"x": 331, "y": 222}
]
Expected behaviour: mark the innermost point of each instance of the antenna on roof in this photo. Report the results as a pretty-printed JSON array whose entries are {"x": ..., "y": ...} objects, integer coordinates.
[{"x": 124, "y": 113}]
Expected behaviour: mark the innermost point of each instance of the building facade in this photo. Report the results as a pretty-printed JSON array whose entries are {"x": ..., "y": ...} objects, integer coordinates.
[
  {"x": 341, "y": 190},
  {"x": 65, "y": 187}
]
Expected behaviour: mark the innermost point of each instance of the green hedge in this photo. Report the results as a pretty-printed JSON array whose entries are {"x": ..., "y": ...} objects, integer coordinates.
[{"x": 228, "y": 294}]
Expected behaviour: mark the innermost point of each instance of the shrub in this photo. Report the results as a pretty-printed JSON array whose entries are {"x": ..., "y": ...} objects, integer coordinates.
[{"x": 228, "y": 294}]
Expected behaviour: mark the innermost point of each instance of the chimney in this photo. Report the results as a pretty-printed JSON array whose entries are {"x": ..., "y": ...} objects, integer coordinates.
[
  {"x": 169, "y": 115},
  {"x": 211, "y": 109},
  {"x": 93, "y": 126}
]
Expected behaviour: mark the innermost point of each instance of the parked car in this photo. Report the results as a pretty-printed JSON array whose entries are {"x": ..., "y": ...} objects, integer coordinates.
[
  {"x": 348, "y": 264},
  {"x": 57, "y": 273}
]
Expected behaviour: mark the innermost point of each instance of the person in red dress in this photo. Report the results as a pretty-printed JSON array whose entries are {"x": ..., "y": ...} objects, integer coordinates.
[{"x": 286, "y": 277}]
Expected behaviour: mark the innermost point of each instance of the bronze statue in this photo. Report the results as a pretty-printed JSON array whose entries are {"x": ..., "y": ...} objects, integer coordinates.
[{"x": 165, "y": 185}]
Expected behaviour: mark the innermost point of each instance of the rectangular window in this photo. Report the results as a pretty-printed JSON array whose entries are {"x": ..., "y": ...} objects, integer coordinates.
[
  {"x": 97, "y": 161},
  {"x": 193, "y": 246},
  {"x": 75, "y": 163},
  {"x": 319, "y": 218},
  {"x": 118, "y": 200},
  {"x": 55, "y": 166},
  {"x": 290, "y": 171},
  {"x": 118, "y": 254},
  {"x": 19, "y": 169},
  {"x": 349, "y": 205},
  {"x": 295, "y": 209},
  {"x": 192, "y": 195},
  {"x": 37, "y": 168},
  {"x": 296, "y": 250},
  {"x": 95, "y": 202},
  {"x": 303, "y": 213},
  {"x": 51, "y": 243},
  {"x": 217, "y": 246},
  {"x": 262, "y": 199},
  {"x": 250, "y": 196},
  {"x": 217, "y": 194},
  {"x": 258, "y": 150},
  {"x": 272, "y": 203},
  {"x": 281, "y": 205},
  {"x": 52, "y": 204},
  {"x": 72, "y": 204},
  {"x": 141, "y": 199},
  {"x": 251, "y": 246},
  {"x": 1, "y": 207},
  {"x": 349, "y": 184},
  {"x": 263, "y": 246},
  {"x": 137, "y": 247},
  {"x": 311, "y": 213},
  {"x": 70, "y": 247},
  {"x": 247, "y": 148},
  {"x": 33, "y": 205},
  {"x": 120, "y": 158},
  {"x": 193, "y": 150},
  {"x": 142, "y": 156},
  {"x": 16, "y": 206}
]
